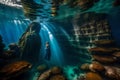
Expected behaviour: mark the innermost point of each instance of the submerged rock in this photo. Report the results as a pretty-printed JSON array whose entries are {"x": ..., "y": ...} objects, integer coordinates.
[
  {"x": 116, "y": 54},
  {"x": 112, "y": 72},
  {"x": 15, "y": 48},
  {"x": 94, "y": 67},
  {"x": 56, "y": 70},
  {"x": 93, "y": 76},
  {"x": 45, "y": 75},
  {"x": 85, "y": 66},
  {"x": 57, "y": 77},
  {"x": 104, "y": 42},
  {"x": 105, "y": 59},
  {"x": 54, "y": 73},
  {"x": 1, "y": 46},
  {"x": 103, "y": 50},
  {"x": 14, "y": 69},
  {"x": 30, "y": 43},
  {"x": 85, "y": 4},
  {"x": 81, "y": 77},
  {"x": 42, "y": 67}
]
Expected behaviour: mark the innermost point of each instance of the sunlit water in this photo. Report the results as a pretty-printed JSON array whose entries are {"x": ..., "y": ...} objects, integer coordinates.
[{"x": 47, "y": 34}]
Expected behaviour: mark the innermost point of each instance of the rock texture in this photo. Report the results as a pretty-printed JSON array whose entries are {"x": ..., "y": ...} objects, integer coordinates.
[
  {"x": 104, "y": 42},
  {"x": 93, "y": 76},
  {"x": 105, "y": 59},
  {"x": 54, "y": 73},
  {"x": 30, "y": 43},
  {"x": 110, "y": 58},
  {"x": 112, "y": 72},
  {"x": 42, "y": 68},
  {"x": 14, "y": 69},
  {"x": 1, "y": 45},
  {"x": 94, "y": 67},
  {"x": 103, "y": 50}
]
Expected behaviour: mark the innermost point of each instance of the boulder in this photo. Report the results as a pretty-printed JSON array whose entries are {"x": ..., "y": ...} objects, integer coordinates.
[
  {"x": 2, "y": 45},
  {"x": 104, "y": 42},
  {"x": 45, "y": 75},
  {"x": 86, "y": 4},
  {"x": 57, "y": 77},
  {"x": 112, "y": 72},
  {"x": 105, "y": 59},
  {"x": 116, "y": 54},
  {"x": 81, "y": 77},
  {"x": 14, "y": 47},
  {"x": 100, "y": 50},
  {"x": 85, "y": 66},
  {"x": 42, "y": 67},
  {"x": 54, "y": 73},
  {"x": 56, "y": 70},
  {"x": 93, "y": 76},
  {"x": 14, "y": 69},
  {"x": 96, "y": 67}
]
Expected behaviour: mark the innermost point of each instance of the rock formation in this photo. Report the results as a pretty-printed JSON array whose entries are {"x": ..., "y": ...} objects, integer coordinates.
[
  {"x": 30, "y": 43},
  {"x": 1, "y": 45},
  {"x": 103, "y": 58},
  {"x": 14, "y": 69},
  {"x": 54, "y": 73}
]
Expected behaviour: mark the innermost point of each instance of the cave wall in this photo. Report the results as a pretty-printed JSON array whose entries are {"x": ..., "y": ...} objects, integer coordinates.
[
  {"x": 81, "y": 30},
  {"x": 114, "y": 20}
]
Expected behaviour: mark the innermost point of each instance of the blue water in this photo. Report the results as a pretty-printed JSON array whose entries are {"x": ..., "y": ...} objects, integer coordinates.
[
  {"x": 11, "y": 30},
  {"x": 47, "y": 34}
]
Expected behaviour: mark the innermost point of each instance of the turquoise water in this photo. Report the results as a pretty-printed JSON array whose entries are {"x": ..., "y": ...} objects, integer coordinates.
[{"x": 59, "y": 33}]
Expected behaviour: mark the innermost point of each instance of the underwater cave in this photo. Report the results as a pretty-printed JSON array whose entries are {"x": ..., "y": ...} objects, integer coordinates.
[{"x": 59, "y": 40}]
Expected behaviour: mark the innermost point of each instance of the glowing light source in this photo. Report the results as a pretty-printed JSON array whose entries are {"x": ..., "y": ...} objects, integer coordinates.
[{"x": 14, "y": 3}]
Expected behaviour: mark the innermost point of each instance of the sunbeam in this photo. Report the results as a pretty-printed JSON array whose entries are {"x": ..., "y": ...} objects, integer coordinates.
[{"x": 47, "y": 34}]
